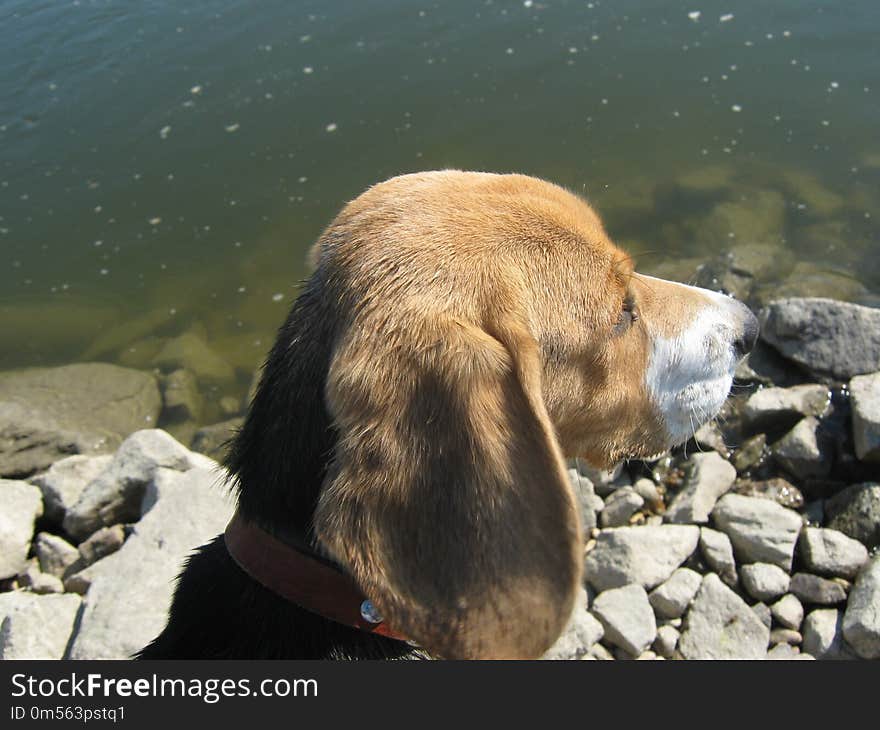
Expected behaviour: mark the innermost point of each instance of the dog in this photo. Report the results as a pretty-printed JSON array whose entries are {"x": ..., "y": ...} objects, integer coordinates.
[{"x": 459, "y": 334}]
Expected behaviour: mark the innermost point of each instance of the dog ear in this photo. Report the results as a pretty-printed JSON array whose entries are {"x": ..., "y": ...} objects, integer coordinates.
[{"x": 447, "y": 498}]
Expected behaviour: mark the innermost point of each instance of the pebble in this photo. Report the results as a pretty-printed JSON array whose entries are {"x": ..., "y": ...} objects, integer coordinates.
[
  {"x": 620, "y": 506},
  {"x": 671, "y": 598},
  {"x": 764, "y": 581},
  {"x": 788, "y": 611},
  {"x": 814, "y": 589},
  {"x": 627, "y": 617},
  {"x": 666, "y": 641},
  {"x": 710, "y": 476}
]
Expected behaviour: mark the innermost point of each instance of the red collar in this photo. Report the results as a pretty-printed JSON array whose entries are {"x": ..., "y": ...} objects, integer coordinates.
[{"x": 301, "y": 578}]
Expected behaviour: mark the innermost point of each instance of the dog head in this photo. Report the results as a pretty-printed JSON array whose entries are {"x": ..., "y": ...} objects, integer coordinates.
[{"x": 481, "y": 327}]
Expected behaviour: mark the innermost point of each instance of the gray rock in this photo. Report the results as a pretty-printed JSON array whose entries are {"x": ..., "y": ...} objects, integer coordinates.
[
  {"x": 785, "y": 652},
  {"x": 865, "y": 393},
  {"x": 600, "y": 653},
  {"x": 667, "y": 641},
  {"x": 718, "y": 552},
  {"x": 189, "y": 351},
  {"x": 582, "y": 631},
  {"x": 780, "y": 408},
  {"x": 823, "y": 635},
  {"x": 751, "y": 453},
  {"x": 38, "y": 582},
  {"x": 49, "y": 413},
  {"x": 127, "y": 602},
  {"x": 65, "y": 481},
  {"x": 709, "y": 436},
  {"x": 814, "y": 589},
  {"x": 647, "y": 490},
  {"x": 100, "y": 544},
  {"x": 620, "y": 505},
  {"x": 761, "y": 531},
  {"x": 855, "y": 511},
  {"x": 34, "y": 626},
  {"x": 763, "y": 581},
  {"x": 803, "y": 452},
  {"x": 627, "y": 618},
  {"x": 830, "y": 552},
  {"x": 779, "y": 490},
  {"x": 213, "y": 440},
  {"x": 786, "y": 636},
  {"x": 181, "y": 398},
  {"x": 20, "y": 505},
  {"x": 788, "y": 611},
  {"x": 643, "y": 555},
  {"x": 709, "y": 477},
  {"x": 764, "y": 614},
  {"x": 55, "y": 554},
  {"x": 826, "y": 336},
  {"x": 720, "y": 625},
  {"x": 115, "y": 496},
  {"x": 587, "y": 500},
  {"x": 671, "y": 598},
  {"x": 861, "y": 622}
]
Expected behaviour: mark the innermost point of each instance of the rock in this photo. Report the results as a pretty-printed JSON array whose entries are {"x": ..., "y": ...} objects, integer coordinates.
[
  {"x": 750, "y": 454},
  {"x": 779, "y": 490},
  {"x": 761, "y": 531},
  {"x": 115, "y": 496},
  {"x": 718, "y": 552},
  {"x": 829, "y": 552},
  {"x": 824, "y": 336},
  {"x": 666, "y": 641},
  {"x": 671, "y": 598},
  {"x": 587, "y": 500},
  {"x": 823, "y": 635},
  {"x": 788, "y": 611},
  {"x": 213, "y": 440},
  {"x": 620, "y": 505},
  {"x": 582, "y": 632},
  {"x": 811, "y": 588},
  {"x": 764, "y": 614},
  {"x": 802, "y": 451},
  {"x": 861, "y": 622},
  {"x": 855, "y": 511},
  {"x": 181, "y": 397},
  {"x": 710, "y": 476},
  {"x": 55, "y": 554},
  {"x": 709, "y": 436},
  {"x": 100, "y": 544},
  {"x": 65, "y": 481},
  {"x": 764, "y": 581},
  {"x": 627, "y": 618},
  {"x": 34, "y": 626},
  {"x": 720, "y": 625},
  {"x": 49, "y": 413},
  {"x": 786, "y": 636},
  {"x": 780, "y": 408},
  {"x": 37, "y": 582},
  {"x": 784, "y": 652},
  {"x": 599, "y": 652},
  {"x": 189, "y": 351},
  {"x": 130, "y": 593},
  {"x": 643, "y": 555},
  {"x": 865, "y": 392},
  {"x": 647, "y": 490},
  {"x": 20, "y": 505}
]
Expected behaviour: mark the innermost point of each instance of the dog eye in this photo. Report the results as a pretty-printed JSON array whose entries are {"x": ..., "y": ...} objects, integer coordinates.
[{"x": 628, "y": 316}]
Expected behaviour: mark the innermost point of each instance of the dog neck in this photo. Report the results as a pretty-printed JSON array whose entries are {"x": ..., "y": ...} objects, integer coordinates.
[{"x": 300, "y": 575}]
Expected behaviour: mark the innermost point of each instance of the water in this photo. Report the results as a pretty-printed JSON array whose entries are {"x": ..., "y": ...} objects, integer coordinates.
[{"x": 165, "y": 166}]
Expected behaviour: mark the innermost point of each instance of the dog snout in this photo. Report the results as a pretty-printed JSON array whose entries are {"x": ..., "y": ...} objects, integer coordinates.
[{"x": 748, "y": 333}]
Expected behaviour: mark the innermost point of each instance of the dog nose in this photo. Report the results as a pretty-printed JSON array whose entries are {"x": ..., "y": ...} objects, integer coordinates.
[{"x": 745, "y": 343}]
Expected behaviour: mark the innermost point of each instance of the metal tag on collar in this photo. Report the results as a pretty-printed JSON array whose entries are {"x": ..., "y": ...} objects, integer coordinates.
[{"x": 369, "y": 613}]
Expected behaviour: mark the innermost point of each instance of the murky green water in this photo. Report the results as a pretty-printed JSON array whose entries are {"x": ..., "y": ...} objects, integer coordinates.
[{"x": 164, "y": 166}]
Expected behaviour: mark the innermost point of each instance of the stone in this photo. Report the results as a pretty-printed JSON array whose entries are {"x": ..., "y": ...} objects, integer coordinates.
[
  {"x": 720, "y": 625},
  {"x": 855, "y": 511},
  {"x": 750, "y": 454},
  {"x": 666, "y": 641},
  {"x": 49, "y": 413},
  {"x": 803, "y": 452},
  {"x": 65, "y": 481},
  {"x": 115, "y": 496},
  {"x": 761, "y": 531},
  {"x": 781, "y": 408},
  {"x": 627, "y": 618},
  {"x": 825, "y": 336},
  {"x": 100, "y": 544},
  {"x": 55, "y": 554},
  {"x": 37, "y": 582},
  {"x": 620, "y": 505},
  {"x": 191, "y": 352},
  {"x": 20, "y": 505},
  {"x": 213, "y": 440},
  {"x": 788, "y": 611},
  {"x": 718, "y": 552},
  {"x": 763, "y": 581},
  {"x": 643, "y": 555},
  {"x": 35, "y": 626},
  {"x": 583, "y": 630},
  {"x": 599, "y": 652},
  {"x": 764, "y": 614},
  {"x": 830, "y": 552},
  {"x": 786, "y": 636},
  {"x": 130, "y": 591},
  {"x": 648, "y": 491},
  {"x": 672, "y": 597},
  {"x": 709, "y": 477},
  {"x": 784, "y": 652},
  {"x": 587, "y": 500},
  {"x": 181, "y": 398},
  {"x": 779, "y": 490},
  {"x": 865, "y": 398},
  {"x": 814, "y": 589},
  {"x": 709, "y": 436},
  {"x": 861, "y": 622},
  {"x": 823, "y": 635}
]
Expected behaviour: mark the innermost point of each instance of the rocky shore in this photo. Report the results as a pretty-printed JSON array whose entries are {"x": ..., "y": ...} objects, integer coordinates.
[{"x": 758, "y": 539}]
